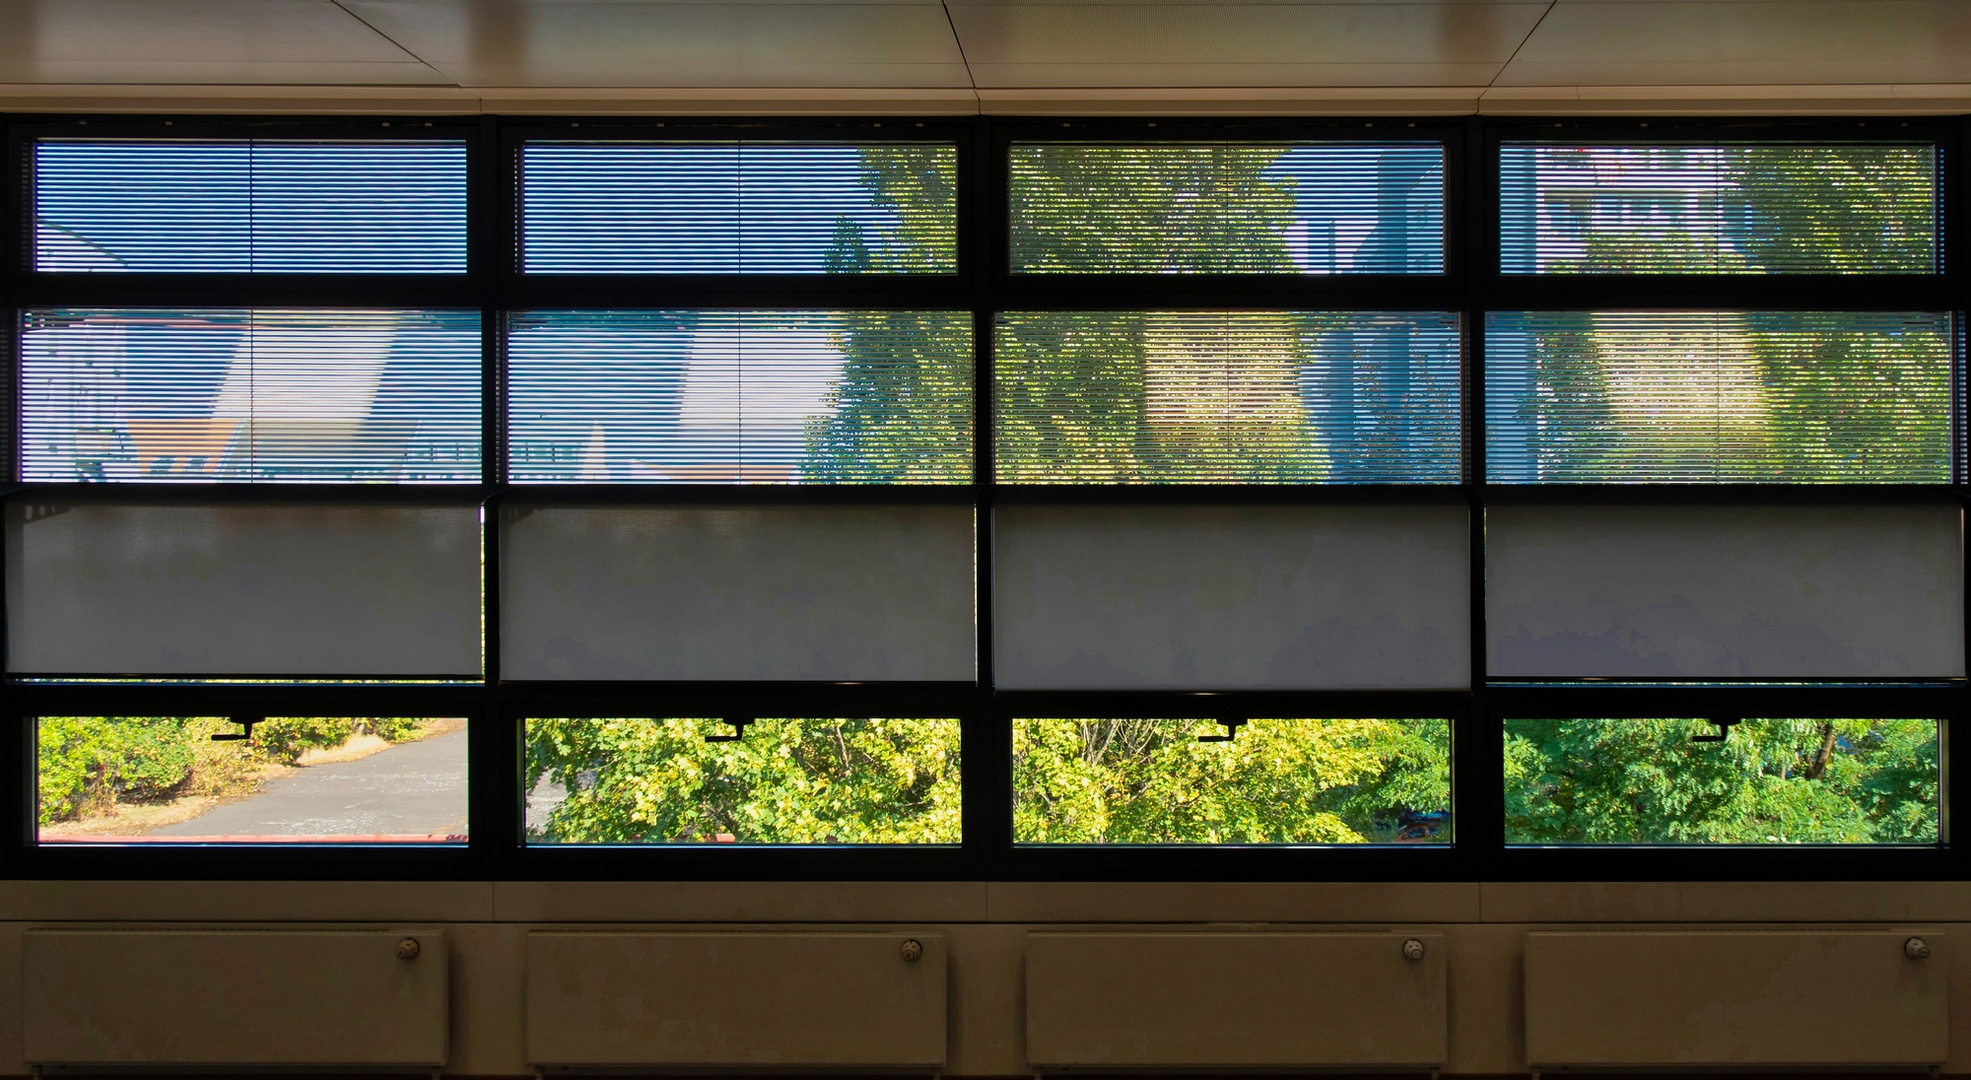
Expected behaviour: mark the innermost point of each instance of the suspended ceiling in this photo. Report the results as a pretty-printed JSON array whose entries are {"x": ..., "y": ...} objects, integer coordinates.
[{"x": 1358, "y": 57}]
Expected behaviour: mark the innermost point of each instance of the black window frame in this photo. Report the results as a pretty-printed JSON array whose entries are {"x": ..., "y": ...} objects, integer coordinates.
[{"x": 1470, "y": 285}]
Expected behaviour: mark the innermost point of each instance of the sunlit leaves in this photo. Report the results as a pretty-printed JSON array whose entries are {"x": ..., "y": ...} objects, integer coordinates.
[
  {"x": 1770, "y": 781},
  {"x": 1152, "y": 781},
  {"x": 785, "y": 781}
]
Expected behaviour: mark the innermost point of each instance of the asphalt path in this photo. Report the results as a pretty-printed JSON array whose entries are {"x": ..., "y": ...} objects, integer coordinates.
[{"x": 412, "y": 789}]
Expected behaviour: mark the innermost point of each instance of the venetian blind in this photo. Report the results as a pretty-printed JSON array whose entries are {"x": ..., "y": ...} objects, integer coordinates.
[
  {"x": 1729, "y": 208},
  {"x": 739, "y": 208},
  {"x": 1227, "y": 397},
  {"x": 1228, "y": 208},
  {"x": 249, "y": 206},
  {"x": 740, "y": 396},
  {"x": 1720, "y": 397},
  {"x": 235, "y": 395}
]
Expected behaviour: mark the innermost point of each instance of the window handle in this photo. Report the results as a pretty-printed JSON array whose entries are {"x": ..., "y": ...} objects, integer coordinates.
[
  {"x": 246, "y": 729},
  {"x": 1231, "y": 731},
  {"x": 1724, "y": 727}
]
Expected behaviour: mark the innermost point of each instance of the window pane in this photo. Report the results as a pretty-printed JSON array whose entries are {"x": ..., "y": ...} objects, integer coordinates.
[
  {"x": 1765, "y": 782},
  {"x": 1230, "y": 597},
  {"x": 721, "y": 397},
  {"x": 739, "y": 208},
  {"x": 1197, "y": 397},
  {"x": 275, "y": 591},
  {"x": 1325, "y": 208},
  {"x": 1724, "y": 592},
  {"x": 249, "y": 206},
  {"x": 1719, "y": 397},
  {"x": 1272, "y": 782},
  {"x": 237, "y": 396},
  {"x": 729, "y": 593},
  {"x": 677, "y": 780},
  {"x": 284, "y": 780},
  {"x": 1765, "y": 208}
]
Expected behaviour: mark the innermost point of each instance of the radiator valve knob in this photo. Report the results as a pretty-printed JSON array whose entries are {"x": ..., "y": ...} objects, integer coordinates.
[
  {"x": 1413, "y": 949},
  {"x": 912, "y": 949},
  {"x": 1916, "y": 949},
  {"x": 407, "y": 949}
]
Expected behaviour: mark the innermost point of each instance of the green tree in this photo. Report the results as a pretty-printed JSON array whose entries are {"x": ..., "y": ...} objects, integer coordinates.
[
  {"x": 791, "y": 781},
  {"x": 1769, "y": 782},
  {"x": 1275, "y": 782},
  {"x": 902, "y": 411},
  {"x": 1146, "y": 397},
  {"x": 1766, "y": 208},
  {"x": 1796, "y": 397},
  {"x": 1209, "y": 209},
  {"x": 1737, "y": 397}
]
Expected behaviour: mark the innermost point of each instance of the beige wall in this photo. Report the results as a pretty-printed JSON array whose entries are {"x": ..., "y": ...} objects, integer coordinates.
[{"x": 984, "y": 926}]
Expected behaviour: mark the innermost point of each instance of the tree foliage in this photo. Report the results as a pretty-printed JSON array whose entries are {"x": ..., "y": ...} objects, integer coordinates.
[
  {"x": 902, "y": 411},
  {"x": 1745, "y": 397},
  {"x": 1769, "y": 208},
  {"x": 1769, "y": 782},
  {"x": 1148, "y": 781},
  {"x": 784, "y": 781},
  {"x": 1151, "y": 210}
]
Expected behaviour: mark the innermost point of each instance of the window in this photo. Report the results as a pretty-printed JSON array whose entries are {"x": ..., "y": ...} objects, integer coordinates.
[
  {"x": 1820, "y": 432},
  {"x": 251, "y": 430},
  {"x": 1723, "y": 781},
  {"x": 745, "y": 780},
  {"x": 1804, "y": 397},
  {"x": 720, "y": 397},
  {"x": 1257, "y": 500},
  {"x": 269, "y": 395},
  {"x": 1722, "y": 208},
  {"x": 739, "y": 207},
  {"x": 1228, "y": 208},
  {"x": 1163, "y": 397},
  {"x": 1231, "y": 781},
  {"x": 250, "y": 780},
  {"x": 262, "y": 206}
]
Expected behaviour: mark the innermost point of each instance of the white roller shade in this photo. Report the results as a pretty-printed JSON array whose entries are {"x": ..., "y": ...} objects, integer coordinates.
[
  {"x": 832, "y": 593},
  {"x": 1231, "y": 597},
  {"x": 1786, "y": 592},
  {"x": 243, "y": 590}
]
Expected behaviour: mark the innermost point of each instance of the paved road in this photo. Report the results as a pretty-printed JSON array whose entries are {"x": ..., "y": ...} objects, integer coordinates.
[{"x": 414, "y": 789}]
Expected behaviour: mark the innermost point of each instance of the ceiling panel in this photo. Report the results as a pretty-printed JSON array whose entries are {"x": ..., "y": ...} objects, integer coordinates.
[
  {"x": 211, "y": 41},
  {"x": 598, "y": 44},
  {"x": 1240, "y": 44},
  {"x": 1746, "y": 42}
]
